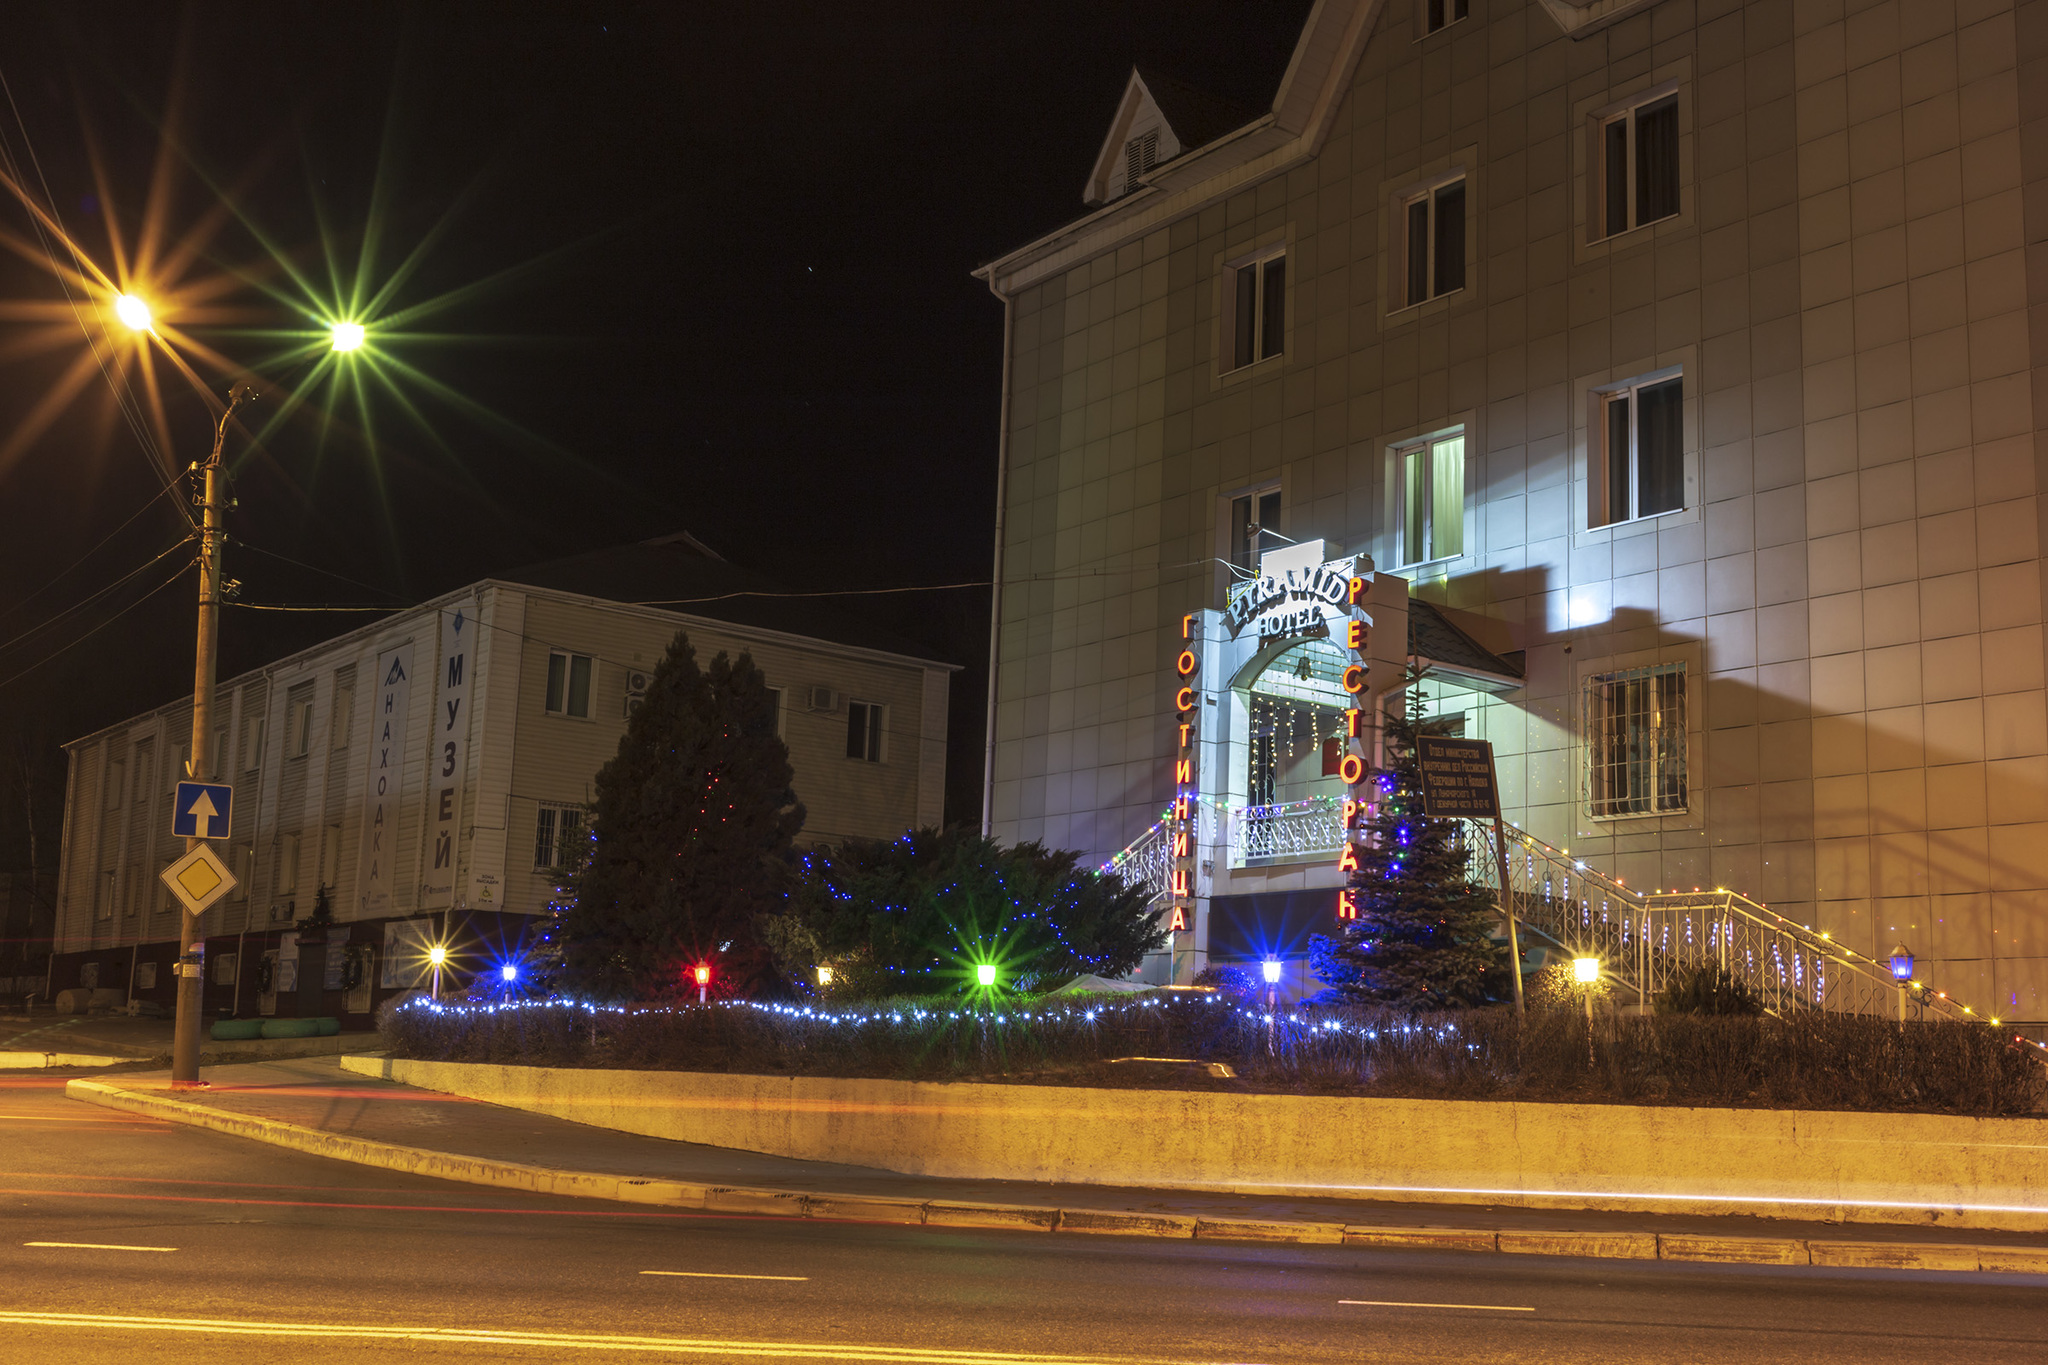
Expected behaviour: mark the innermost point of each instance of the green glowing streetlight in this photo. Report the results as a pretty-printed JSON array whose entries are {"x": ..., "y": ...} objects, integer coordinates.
[
  {"x": 985, "y": 973},
  {"x": 345, "y": 336}
]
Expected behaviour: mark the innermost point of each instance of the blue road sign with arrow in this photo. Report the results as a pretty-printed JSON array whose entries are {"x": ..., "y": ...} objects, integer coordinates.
[{"x": 203, "y": 810}]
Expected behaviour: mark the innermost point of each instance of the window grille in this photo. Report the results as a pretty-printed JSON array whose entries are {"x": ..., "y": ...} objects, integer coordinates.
[
  {"x": 555, "y": 834},
  {"x": 1636, "y": 742}
]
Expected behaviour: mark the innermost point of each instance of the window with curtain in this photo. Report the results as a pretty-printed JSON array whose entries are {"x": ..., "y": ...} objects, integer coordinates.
[
  {"x": 1642, "y": 444},
  {"x": 1432, "y": 474},
  {"x": 1635, "y": 181},
  {"x": 569, "y": 684},
  {"x": 1432, "y": 241},
  {"x": 1255, "y": 295}
]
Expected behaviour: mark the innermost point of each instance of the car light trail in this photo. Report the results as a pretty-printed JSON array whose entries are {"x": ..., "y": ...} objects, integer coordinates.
[
  {"x": 561, "y": 1341},
  {"x": 714, "y": 1275},
  {"x": 1475, "y": 1307},
  {"x": 96, "y": 1246}
]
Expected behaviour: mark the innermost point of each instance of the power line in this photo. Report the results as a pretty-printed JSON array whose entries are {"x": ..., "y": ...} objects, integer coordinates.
[
  {"x": 56, "y": 653},
  {"x": 40, "y": 627},
  {"x": 89, "y": 553}
]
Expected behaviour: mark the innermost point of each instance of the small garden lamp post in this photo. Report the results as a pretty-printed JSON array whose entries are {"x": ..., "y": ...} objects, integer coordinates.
[
  {"x": 824, "y": 977},
  {"x": 702, "y": 972},
  {"x": 1902, "y": 973},
  {"x": 985, "y": 975},
  {"x": 1586, "y": 974},
  {"x": 1271, "y": 968},
  {"x": 438, "y": 955}
]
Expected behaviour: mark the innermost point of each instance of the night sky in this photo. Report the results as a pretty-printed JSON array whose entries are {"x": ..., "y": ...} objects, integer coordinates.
[{"x": 702, "y": 267}]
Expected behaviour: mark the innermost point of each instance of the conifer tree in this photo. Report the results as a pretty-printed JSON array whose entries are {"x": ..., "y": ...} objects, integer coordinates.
[
  {"x": 688, "y": 836},
  {"x": 1423, "y": 936}
]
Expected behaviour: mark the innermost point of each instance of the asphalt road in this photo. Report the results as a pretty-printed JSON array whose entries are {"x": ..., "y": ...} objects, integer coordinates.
[{"x": 208, "y": 1247}]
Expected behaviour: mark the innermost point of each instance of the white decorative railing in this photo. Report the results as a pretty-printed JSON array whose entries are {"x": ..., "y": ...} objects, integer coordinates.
[
  {"x": 1289, "y": 829},
  {"x": 1646, "y": 942},
  {"x": 1146, "y": 861}
]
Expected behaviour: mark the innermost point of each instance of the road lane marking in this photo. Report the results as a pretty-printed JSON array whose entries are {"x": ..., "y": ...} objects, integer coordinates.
[
  {"x": 1396, "y": 1303},
  {"x": 713, "y": 1275},
  {"x": 559, "y": 1341},
  {"x": 96, "y": 1246}
]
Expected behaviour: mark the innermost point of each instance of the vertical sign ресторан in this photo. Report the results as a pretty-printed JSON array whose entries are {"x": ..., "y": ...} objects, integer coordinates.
[
  {"x": 447, "y": 758},
  {"x": 1356, "y": 627},
  {"x": 379, "y": 852}
]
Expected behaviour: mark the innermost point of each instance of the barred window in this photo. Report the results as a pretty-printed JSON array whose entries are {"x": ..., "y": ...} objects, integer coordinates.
[
  {"x": 1635, "y": 742},
  {"x": 555, "y": 835}
]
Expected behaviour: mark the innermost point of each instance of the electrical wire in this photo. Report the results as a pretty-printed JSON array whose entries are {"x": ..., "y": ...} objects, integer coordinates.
[
  {"x": 42, "y": 626},
  {"x": 65, "y": 649},
  {"x": 89, "y": 553},
  {"x": 124, "y": 399}
]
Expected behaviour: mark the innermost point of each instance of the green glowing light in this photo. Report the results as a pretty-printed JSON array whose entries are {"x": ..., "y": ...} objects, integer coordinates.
[
  {"x": 346, "y": 336},
  {"x": 985, "y": 973}
]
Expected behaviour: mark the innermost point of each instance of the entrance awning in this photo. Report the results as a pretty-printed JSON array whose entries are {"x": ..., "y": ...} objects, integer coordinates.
[{"x": 1444, "y": 651}]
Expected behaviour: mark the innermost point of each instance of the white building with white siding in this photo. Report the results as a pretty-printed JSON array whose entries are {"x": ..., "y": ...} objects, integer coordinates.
[{"x": 429, "y": 769}]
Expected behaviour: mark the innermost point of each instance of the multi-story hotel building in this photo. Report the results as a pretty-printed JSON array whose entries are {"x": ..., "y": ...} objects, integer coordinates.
[{"x": 1676, "y": 355}]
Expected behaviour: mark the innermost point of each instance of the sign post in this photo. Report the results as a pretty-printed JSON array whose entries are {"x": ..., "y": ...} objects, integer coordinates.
[{"x": 1460, "y": 782}]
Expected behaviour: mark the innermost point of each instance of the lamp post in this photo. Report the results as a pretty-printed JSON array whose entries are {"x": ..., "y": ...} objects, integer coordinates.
[
  {"x": 703, "y": 974},
  {"x": 438, "y": 955},
  {"x": 134, "y": 313},
  {"x": 1270, "y": 968},
  {"x": 185, "y": 1035},
  {"x": 1586, "y": 973},
  {"x": 1902, "y": 974},
  {"x": 824, "y": 978}
]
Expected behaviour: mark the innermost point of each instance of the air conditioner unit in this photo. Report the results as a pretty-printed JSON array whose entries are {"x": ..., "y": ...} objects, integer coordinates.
[
  {"x": 636, "y": 683},
  {"x": 633, "y": 701},
  {"x": 823, "y": 699}
]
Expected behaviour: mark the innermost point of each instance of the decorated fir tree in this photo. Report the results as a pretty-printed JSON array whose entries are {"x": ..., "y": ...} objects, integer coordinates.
[
  {"x": 1423, "y": 936},
  {"x": 688, "y": 836}
]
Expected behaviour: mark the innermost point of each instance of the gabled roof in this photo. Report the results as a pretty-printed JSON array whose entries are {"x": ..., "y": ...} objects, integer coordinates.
[
  {"x": 1271, "y": 144},
  {"x": 1442, "y": 647},
  {"x": 1182, "y": 117},
  {"x": 681, "y": 573}
]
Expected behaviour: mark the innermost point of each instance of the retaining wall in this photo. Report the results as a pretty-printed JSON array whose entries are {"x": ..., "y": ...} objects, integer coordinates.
[{"x": 1879, "y": 1168}]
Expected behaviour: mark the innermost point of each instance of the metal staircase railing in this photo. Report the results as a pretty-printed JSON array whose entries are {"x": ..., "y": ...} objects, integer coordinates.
[
  {"x": 1146, "y": 861},
  {"x": 1646, "y": 942}
]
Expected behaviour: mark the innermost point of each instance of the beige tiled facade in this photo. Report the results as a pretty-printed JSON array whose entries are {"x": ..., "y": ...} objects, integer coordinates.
[{"x": 1854, "y": 583}]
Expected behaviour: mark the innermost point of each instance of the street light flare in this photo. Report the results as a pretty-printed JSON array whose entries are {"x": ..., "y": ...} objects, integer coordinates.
[
  {"x": 133, "y": 312},
  {"x": 346, "y": 336}
]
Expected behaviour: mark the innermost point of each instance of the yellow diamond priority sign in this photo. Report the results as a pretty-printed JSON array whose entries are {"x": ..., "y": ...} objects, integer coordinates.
[{"x": 199, "y": 878}]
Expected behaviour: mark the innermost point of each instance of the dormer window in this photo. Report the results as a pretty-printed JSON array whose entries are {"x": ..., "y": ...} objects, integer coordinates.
[{"x": 1141, "y": 154}]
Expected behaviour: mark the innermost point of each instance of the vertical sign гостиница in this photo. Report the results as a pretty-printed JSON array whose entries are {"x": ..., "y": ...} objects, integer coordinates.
[{"x": 1180, "y": 816}]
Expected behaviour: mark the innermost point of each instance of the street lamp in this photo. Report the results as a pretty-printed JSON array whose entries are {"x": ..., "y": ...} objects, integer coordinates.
[
  {"x": 703, "y": 974},
  {"x": 345, "y": 336},
  {"x": 185, "y": 1035},
  {"x": 1902, "y": 974},
  {"x": 985, "y": 974},
  {"x": 1270, "y": 969},
  {"x": 133, "y": 312},
  {"x": 1586, "y": 973},
  {"x": 824, "y": 977},
  {"x": 438, "y": 955}
]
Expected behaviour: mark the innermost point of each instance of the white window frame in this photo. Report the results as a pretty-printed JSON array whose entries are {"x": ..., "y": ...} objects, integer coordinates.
[
  {"x": 1601, "y": 511},
  {"x": 1254, "y": 265},
  {"x": 1426, "y": 446},
  {"x": 1447, "y": 12},
  {"x": 569, "y": 659},
  {"x": 1255, "y": 497},
  {"x": 549, "y": 817},
  {"x": 344, "y": 717},
  {"x": 1625, "y": 115},
  {"x": 1643, "y": 753},
  {"x": 298, "y": 727},
  {"x": 875, "y": 732},
  {"x": 1428, "y": 192}
]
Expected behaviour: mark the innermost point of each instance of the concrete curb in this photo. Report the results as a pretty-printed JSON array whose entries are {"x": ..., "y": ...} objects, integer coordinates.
[
  {"x": 31, "y": 1061},
  {"x": 759, "y": 1201}
]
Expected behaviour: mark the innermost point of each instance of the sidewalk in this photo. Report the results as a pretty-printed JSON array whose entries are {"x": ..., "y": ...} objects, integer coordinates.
[
  {"x": 64, "y": 1040},
  {"x": 312, "y": 1105}
]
